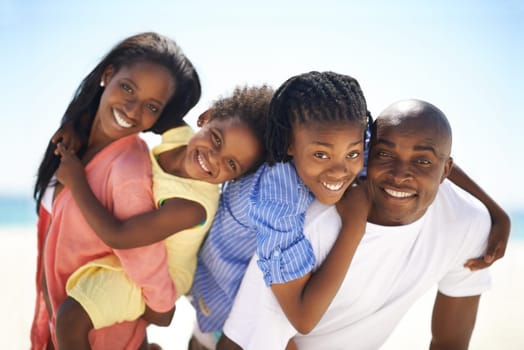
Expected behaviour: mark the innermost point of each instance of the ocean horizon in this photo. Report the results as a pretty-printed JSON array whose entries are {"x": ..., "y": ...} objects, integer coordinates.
[{"x": 20, "y": 211}]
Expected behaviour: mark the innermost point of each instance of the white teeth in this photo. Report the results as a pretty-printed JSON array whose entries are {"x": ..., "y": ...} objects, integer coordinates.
[
  {"x": 398, "y": 194},
  {"x": 201, "y": 162},
  {"x": 333, "y": 187},
  {"x": 120, "y": 120}
]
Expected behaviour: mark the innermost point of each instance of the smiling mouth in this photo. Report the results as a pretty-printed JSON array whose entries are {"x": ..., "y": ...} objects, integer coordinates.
[
  {"x": 202, "y": 164},
  {"x": 333, "y": 186},
  {"x": 120, "y": 120},
  {"x": 399, "y": 194}
]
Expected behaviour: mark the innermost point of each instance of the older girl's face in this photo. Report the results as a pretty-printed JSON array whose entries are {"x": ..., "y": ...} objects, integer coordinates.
[
  {"x": 132, "y": 101},
  {"x": 328, "y": 157}
]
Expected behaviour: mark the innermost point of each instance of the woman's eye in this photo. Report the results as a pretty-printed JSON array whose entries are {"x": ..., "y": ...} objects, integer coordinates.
[
  {"x": 320, "y": 155},
  {"x": 152, "y": 108},
  {"x": 353, "y": 155},
  {"x": 126, "y": 87},
  {"x": 232, "y": 164}
]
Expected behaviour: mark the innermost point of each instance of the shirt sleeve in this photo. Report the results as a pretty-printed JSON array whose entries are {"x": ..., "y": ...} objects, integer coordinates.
[
  {"x": 147, "y": 266},
  {"x": 461, "y": 281},
  {"x": 277, "y": 210}
]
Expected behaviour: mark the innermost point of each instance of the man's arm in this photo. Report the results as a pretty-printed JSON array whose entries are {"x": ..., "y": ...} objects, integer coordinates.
[{"x": 453, "y": 321}]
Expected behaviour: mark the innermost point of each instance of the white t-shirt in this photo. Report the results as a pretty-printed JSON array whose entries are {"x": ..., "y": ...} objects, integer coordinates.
[{"x": 392, "y": 267}]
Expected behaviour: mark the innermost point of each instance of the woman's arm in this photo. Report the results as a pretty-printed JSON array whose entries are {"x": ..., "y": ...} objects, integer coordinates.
[
  {"x": 173, "y": 216},
  {"x": 306, "y": 299},
  {"x": 500, "y": 222}
]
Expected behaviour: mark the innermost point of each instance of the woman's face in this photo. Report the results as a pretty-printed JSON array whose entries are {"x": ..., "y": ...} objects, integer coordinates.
[{"x": 132, "y": 101}]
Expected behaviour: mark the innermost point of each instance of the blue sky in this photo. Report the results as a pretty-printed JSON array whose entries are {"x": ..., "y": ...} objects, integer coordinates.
[{"x": 463, "y": 56}]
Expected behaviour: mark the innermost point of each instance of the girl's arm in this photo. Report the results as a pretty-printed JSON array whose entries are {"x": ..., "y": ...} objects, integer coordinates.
[
  {"x": 68, "y": 137},
  {"x": 173, "y": 216},
  {"x": 306, "y": 299},
  {"x": 500, "y": 222}
]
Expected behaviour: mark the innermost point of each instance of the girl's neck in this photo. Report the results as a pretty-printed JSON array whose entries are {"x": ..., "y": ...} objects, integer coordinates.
[{"x": 173, "y": 161}]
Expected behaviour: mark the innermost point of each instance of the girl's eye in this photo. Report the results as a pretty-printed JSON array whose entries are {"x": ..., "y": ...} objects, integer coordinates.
[
  {"x": 126, "y": 87},
  {"x": 353, "y": 155},
  {"x": 217, "y": 139},
  {"x": 232, "y": 164},
  {"x": 320, "y": 155},
  {"x": 152, "y": 108}
]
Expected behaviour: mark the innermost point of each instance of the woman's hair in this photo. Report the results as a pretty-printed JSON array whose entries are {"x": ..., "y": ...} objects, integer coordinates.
[
  {"x": 140, "y": 48},
  {"x": 251, "y": 106},
  {"x": 312, "y": 97}
]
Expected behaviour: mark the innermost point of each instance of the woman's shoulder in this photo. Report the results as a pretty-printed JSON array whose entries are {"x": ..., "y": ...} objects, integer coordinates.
[{"x": 132, "y": 156}]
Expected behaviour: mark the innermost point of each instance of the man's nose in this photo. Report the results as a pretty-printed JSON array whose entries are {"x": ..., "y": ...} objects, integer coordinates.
[{"x": 401, "y": 171}]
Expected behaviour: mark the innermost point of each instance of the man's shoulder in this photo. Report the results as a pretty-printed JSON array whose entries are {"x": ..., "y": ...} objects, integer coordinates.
[
  {"x": 458, "y": 199},
  {"x": 457, "y": 208}
]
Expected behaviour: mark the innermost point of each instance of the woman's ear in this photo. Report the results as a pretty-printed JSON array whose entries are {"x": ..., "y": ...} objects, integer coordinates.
[
  {"x": 203, "y": 118},
  {"x": 107, "y": 75}
]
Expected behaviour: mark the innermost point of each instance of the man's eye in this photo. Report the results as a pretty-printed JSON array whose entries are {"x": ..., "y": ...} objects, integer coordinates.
[
  {"x": 232, "y": 164},
  {"x": 353, "y": 155},
  {"x": 126, "y": 87},
  {"x": 152, "y": 108},
  {"x": 423, "y": 162},
  {"x": 320, "y": 155},
  {"x": 383, "y": 154}
]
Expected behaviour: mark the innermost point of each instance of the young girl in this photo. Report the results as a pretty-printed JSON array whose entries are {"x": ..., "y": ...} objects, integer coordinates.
[
  {"x": 317, "y": 120},
  {"x": 145, "y": 82},
  {"x": 186, "y": 170},
  {"x": 316, "y": 137}
]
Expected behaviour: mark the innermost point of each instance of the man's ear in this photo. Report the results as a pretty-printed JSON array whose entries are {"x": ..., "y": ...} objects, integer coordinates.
[
  {"x": 204, "y": 118},
  {"x": 447, "y": 169},
  {"x": 107, "y": 75}
]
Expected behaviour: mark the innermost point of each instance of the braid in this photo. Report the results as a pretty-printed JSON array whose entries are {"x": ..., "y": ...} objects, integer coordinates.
[{"x": 312, "y": 97}]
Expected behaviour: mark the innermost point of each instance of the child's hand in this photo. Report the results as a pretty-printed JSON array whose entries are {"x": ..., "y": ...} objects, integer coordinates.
[
  {"x": 353, "y": 207},
  {"x": 162, "y": 319},
  {"x": 71, "y": 170},
  {"x": 67, "y": 136},
  {"x": 497, "y": 242}
]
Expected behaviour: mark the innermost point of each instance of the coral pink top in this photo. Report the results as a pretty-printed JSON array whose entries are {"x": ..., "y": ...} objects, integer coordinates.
[{"x": 120, "y": 177}]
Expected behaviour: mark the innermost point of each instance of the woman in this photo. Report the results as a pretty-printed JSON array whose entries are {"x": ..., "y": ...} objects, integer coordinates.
[{"x": 144, "y": 83}]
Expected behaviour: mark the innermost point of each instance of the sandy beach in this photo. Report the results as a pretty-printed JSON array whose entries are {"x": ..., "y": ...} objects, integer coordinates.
[{"x": 498, "y": 325}]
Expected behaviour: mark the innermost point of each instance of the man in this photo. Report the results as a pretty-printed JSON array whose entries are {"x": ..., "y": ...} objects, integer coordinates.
[{"x": 421, "y": 230}]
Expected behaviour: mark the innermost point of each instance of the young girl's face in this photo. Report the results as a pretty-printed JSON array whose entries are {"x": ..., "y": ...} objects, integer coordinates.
[
  {"x": 133, "y": 99},
  {"x": 327, "y": 157},
  {"x": 223, "y": 149}
]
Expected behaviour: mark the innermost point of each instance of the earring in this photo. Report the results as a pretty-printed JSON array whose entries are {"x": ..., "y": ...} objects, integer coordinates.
[
  {"x": 102, "y": 84},
  {"x": 200, "y": 123}
]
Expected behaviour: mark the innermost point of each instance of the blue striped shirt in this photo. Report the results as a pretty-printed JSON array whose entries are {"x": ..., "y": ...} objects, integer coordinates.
[{"x": 262, "y": 212}]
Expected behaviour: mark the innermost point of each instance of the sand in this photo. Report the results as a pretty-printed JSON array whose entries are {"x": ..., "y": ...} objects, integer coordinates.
[{"x": 498, "y": 324}]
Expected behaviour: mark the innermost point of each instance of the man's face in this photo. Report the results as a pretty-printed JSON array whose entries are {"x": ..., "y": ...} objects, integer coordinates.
[{"x": 407, "y": 163}]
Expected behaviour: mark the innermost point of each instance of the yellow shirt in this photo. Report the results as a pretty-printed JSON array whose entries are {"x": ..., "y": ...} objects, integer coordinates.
[{"x": 182, "y": 247}]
